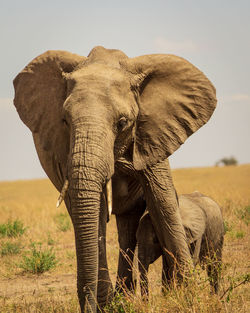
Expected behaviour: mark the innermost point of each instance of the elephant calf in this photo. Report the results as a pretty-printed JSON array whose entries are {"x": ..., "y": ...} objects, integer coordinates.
[{"x": 203, "y": 224}]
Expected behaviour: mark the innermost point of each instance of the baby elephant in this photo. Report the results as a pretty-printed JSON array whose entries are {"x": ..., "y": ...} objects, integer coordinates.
[{"x": 203, "y": 224}]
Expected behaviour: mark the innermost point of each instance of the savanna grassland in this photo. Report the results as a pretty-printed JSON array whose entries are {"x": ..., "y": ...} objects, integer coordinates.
[{"x": 37, "y": 254}]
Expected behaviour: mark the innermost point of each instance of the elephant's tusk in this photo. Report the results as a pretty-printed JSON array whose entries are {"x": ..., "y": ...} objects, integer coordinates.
[
  {"x": 109, "y": 196},
  {"x": 63, "y": 193}
]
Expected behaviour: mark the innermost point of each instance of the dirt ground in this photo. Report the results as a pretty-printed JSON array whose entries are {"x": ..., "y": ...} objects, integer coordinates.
[{"x": 37, "y": 285}]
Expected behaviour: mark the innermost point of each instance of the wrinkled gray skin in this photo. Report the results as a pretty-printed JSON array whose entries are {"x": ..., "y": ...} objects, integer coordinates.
[
  {"x": 203, "y": 224},
  {"x": 109, "y": 115}
]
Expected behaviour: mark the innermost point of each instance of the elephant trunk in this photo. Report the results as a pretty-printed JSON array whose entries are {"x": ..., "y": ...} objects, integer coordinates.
[
  {"x": 88, "y": 172},
  {"x": 85, "y": 217}
]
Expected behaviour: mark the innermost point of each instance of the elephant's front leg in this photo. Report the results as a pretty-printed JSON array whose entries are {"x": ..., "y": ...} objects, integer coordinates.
[
  {"x": 127, "y": 225},
  {"x": 128, "y": 206},
  {"x": 163, "y": 207},
  {"x": 105, "y": 288}
]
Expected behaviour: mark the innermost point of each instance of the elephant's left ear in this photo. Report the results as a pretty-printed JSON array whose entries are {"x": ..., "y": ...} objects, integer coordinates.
[{"x": 175, "y": 99}]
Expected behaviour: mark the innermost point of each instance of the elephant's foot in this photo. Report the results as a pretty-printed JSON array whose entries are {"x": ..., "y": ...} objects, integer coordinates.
[{"x": 105, "y": 295}]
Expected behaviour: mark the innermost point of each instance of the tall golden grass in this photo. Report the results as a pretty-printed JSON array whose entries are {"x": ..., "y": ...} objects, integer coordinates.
[{"x": 34, "y": 203}]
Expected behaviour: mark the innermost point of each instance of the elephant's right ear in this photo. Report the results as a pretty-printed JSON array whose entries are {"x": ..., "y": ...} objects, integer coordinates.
[{"x": 40, "y": 91}]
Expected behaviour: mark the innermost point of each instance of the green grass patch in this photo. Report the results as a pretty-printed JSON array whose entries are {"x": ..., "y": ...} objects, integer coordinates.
[
  {"x": 71, "y": 255},
  {"x": 120, "y": 304},
  {"x": 9, "y": 248},
  {"x": 38, "y": 260},
  {"x": 12, "y": 229},
  {"x": 237, "y": 234},
  {"x": 227, "y": 227},
  {"x": 63, "y": 221},
  {"x": 244, "y": 214},
  {"x": 50, "y": 241}
]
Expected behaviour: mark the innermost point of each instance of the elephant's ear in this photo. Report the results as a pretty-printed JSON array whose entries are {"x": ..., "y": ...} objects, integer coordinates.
[
  {"x": 40, "y": 91},
  {"x": 175, "y": 99}
]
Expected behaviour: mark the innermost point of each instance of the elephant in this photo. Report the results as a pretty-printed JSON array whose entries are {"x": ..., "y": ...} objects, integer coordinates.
[
  {"x": 107, "y": 115},
  {"x": 203, "y": 223}
]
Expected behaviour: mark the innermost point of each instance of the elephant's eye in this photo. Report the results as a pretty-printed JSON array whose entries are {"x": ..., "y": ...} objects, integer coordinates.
[
  {"x": 65, "y": 122},
  {"x": 122, "y": 123}
]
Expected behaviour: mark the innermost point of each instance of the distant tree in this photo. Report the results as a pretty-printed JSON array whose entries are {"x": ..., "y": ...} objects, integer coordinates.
[{"x": 227, "y": 161}]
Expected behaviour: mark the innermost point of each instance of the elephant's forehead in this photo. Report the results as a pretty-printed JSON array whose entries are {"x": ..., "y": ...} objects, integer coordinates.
[
  {"x": 98, "y": 82},
  {"x": 102, "y": 75},
  {"x": 98, "y": 85}
]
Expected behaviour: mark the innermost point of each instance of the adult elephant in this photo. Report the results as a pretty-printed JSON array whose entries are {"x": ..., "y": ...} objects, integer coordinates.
[{"x": 107, "y": 114}]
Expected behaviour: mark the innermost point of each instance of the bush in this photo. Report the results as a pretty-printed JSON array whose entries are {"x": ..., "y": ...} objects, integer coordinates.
[
  {"x": 227, "y": 161},
  {"x": 63, "y": 222},
  {"x": 120, "y": 304},
  {"x": 8, "y": 248},
  {"x": 39, "y": 260},
  {"x": 12, "y": 229}
]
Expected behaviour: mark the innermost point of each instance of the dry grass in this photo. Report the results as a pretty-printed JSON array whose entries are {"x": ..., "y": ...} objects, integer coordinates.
[{"x": 33, "y": 203}]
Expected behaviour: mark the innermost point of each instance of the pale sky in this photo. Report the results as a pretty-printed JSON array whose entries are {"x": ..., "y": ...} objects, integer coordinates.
[{"x": 214, "y": 35}]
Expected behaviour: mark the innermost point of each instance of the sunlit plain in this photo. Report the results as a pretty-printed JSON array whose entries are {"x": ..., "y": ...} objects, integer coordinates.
[{"x": 34, "y": 204}]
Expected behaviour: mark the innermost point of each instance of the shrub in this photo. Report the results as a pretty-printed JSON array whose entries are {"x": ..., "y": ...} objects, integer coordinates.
[
  {"x": 39, "y": 260},
  {"x": 8, "y": 248},
  {"x": 63, "y": 222},
  {"x": 227, "y": 161},
  {"x": 120, "y": 304},
  {"x": 12, "y": 229}
]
